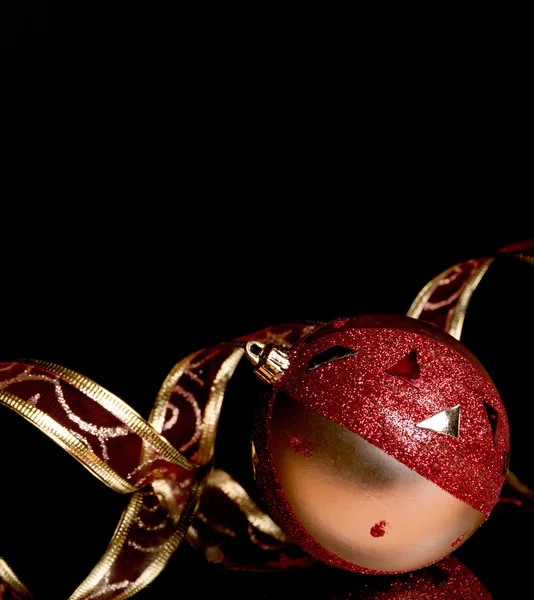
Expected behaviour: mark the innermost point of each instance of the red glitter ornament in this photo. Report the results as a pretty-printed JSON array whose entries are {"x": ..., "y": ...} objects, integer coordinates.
[{"x": 410, "y": 442}]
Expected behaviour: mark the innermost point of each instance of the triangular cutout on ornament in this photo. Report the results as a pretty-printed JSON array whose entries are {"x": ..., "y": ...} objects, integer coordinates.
[
  {"x": 493, "y": 419},
  {"x": 407, "y": 369},
  {"x": 447, "y": 422},
  {"x": 330, "y": 355}
]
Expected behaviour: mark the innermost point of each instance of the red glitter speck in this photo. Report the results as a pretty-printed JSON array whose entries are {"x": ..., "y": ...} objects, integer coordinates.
[
  {"x": 379, "y": 529},
  {"x": 300, "y": 447},
  {"x": 457, "y": 541}
]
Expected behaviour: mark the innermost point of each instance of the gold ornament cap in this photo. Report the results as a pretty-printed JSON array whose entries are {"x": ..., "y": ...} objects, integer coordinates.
[{"x": 270, "y": 361}]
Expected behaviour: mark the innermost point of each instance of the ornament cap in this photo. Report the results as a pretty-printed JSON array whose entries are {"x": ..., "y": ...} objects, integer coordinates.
[{"x": 270, "y": 361}]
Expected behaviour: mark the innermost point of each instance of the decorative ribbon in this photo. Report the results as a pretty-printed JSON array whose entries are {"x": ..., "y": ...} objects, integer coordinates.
[{"x": 165, "y": 464}]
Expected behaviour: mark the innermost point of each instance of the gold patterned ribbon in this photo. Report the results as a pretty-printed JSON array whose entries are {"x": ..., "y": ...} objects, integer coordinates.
[
  {"x": 97, "y": 428},
  {"x": 11, "y": 584},
  {"x": 121, "y": 449},
  {"x": 163, "y": 464},
  {"x": 443, "y": 301}
]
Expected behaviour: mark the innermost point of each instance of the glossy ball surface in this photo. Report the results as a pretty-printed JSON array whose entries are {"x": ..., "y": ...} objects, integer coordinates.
[{"x": 384, "y": 446}]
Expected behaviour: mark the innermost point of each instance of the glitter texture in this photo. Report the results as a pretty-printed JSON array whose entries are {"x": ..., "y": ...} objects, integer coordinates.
[
  {"x": 359, "y": 394},
  {"x": 445, "y": 580},
  {"x": 407, "y": 368},
  {"x": 300, "y": 446}
]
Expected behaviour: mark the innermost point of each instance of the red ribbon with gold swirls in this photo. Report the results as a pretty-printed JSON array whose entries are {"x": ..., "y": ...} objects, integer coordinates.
[{"x": 163, "y": 464}]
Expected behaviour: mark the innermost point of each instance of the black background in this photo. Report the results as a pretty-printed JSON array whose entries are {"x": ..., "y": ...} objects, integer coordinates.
[{"x": 170, "y": 182}]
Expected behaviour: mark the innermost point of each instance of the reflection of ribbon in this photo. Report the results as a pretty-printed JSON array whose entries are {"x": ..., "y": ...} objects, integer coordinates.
[{"x": 165, "y": 464}]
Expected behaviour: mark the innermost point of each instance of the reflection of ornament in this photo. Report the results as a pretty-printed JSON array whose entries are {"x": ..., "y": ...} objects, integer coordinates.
[
  {"x": 402, "y": 461},
  {"x": 445, "y": 580}
]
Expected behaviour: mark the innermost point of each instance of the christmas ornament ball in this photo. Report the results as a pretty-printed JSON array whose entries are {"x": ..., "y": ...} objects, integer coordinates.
[{"x": 380, "y": 443}]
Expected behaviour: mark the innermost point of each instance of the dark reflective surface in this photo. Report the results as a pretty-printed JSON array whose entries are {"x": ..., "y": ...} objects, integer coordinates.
[{"x": 122, "y": 297}]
